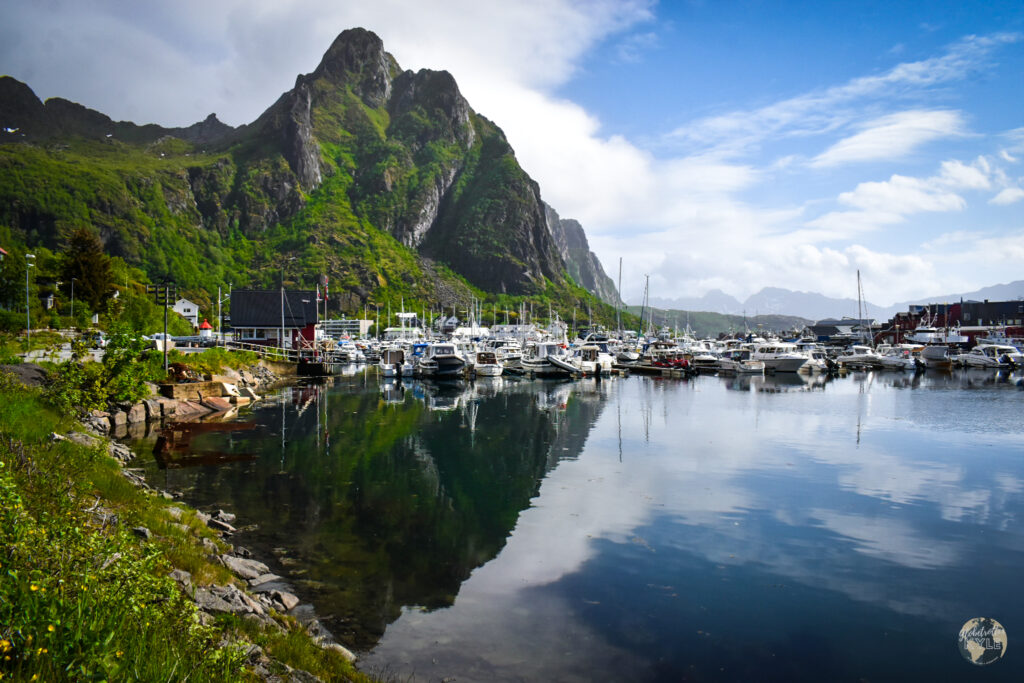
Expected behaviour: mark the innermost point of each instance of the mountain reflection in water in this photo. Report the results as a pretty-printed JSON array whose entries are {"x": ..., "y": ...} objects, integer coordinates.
[
  {"x": 786, "y": 528},
  {"x": 390, "y": 497}
]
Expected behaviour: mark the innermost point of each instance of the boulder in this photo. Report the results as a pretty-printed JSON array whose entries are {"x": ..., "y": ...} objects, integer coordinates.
[
  {"x": 137, "y": 413},
  {"x": 243, "y": 568},
  {"x": 118, "y": 418},
  {"x": 221, "y": 526},
  {"x": 342, "y": 650},
  {"x": 216, "y": 404},
  {"x": 82, "y": 439},
  {"x": 154, "y": 409}
]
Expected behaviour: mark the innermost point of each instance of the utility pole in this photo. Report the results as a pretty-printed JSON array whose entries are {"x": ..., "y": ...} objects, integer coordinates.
[
  {"x": 73, "y": 300},
  {"x": 28, "y": 313},
  {"x": 163, "y": 295}
]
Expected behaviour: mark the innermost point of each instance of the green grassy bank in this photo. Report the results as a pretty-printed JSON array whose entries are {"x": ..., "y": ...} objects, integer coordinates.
[{"x": 83, "y": 597}]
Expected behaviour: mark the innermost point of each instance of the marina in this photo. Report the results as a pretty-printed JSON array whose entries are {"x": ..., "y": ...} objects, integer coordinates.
[{"x": 797, "y": 526}]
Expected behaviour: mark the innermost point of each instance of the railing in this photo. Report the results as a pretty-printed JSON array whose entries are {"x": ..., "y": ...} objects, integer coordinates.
[{"x": 265, "y": 351}]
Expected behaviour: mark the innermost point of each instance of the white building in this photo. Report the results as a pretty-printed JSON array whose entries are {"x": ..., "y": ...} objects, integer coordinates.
[{"x": 187, "y": 310}]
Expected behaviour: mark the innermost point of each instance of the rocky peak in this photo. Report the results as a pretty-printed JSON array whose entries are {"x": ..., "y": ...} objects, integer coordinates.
[
  {"x": 437, "y": 93},
  {"x": 583, "y": 265},
  {"x": 19, "y": 107},
  {"x": 357, "y": 57}
]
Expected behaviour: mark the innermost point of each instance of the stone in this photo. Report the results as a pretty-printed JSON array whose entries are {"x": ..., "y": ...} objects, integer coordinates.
[
  {"x": 120, "y": 452},
  {"x": 216, "y": 404},
  {"x": 83, "y": 439},
  {"x": 174, "y": 512},
  {"x": 285, "y": 599},
  {"x": 142, "y": 532},
  {"x": 225, "y": 516},
  {"x": 263, "y": 579},
  {"x": 342, "y": 650},
  {"x": 118, "y": 418},
  {"x": 246, "y": 392},
  {"x": 247, "y": 377},
  {"x": 208, "y": 602},
  {"x": 137, "y": 413},
  {"x": 240, "y": 401},
  {"x": 221, "y": 526},
  {"x": 154, "y": 409},
  {"x": 246, "y": 569},
  {"x": 181, "y": 576}
]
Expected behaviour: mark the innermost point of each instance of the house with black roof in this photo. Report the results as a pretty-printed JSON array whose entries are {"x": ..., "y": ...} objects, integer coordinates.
[{"x": 259, "y": 316}]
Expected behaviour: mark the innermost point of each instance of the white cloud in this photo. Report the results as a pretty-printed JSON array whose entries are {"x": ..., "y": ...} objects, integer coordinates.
[
  {"x": 707, "y": 216},
  {"x": 1009, "y": 195},
  {"x": 892, "y": 137}
]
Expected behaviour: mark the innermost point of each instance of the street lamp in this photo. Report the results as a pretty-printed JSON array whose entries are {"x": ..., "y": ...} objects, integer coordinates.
[{"x": 28, "y": 314}]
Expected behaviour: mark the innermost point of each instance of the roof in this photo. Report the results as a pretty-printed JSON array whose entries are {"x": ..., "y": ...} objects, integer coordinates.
[
  {"x": 206, "y": 325},
  {"x": 262, "y": 308}
]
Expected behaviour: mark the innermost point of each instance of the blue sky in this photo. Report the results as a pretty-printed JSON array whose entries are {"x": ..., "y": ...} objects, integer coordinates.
[{"x": 728, "y": 145}]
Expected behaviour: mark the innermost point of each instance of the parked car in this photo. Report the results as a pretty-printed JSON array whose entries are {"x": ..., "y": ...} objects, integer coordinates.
[{"x": 97, "y": 340}]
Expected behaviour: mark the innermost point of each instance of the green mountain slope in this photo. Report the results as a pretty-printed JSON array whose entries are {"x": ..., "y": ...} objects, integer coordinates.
[{"x": 385, "y": 181}]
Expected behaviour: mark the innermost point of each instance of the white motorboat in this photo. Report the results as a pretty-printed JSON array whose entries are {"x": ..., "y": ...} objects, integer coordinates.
[
  {"x": 547, "y": 359},
  {"x": 440, "y": 360},
  {"x": 902, "y": 357},
  {"x": 859, "y": 356},
  {"x": 936, "y": 357},
  {"x": 993, "y": 356},
  {"x": 485, "y": 364},
  {"x": 779, "y": 356},
  {"x": 739, "y": 362},
  {"x": 391, "y": 361}
]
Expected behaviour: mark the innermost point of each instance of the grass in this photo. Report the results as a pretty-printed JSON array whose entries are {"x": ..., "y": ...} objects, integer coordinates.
[{"x": 82, "y": 597}]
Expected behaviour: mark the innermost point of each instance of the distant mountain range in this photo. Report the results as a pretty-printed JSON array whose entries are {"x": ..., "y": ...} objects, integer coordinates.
[{"x": 814, "y": 306}]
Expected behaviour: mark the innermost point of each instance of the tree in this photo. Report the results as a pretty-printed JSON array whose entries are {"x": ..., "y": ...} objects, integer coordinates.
[{"x": 86, "y": 262}]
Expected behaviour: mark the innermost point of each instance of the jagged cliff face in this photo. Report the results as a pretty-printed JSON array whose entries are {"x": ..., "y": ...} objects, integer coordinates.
[
  {"x": 582, "y": 264},
  {"x": 357, "y": 145}
]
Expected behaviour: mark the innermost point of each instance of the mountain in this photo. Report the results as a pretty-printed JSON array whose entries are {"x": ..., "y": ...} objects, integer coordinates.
[
  {"x": 715, "y": 301},
  {"x": 583, "y": 265},
  {"x": 385, "y": 180},
  {"x": 1003, "y": 292},
  {"x": 814, "y": 306}
]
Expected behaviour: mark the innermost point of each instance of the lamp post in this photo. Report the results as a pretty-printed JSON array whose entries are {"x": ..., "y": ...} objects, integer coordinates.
[
  {"x": 220, "y": 315},
  {"x": 28, "y": 313}
]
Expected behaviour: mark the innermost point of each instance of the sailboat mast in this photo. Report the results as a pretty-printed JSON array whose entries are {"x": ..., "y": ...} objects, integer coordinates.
[{"x": 618, "y": 302}]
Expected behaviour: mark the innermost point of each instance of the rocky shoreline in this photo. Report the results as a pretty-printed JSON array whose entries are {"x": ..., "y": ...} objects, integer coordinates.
[{"x": 257, "y": 593}]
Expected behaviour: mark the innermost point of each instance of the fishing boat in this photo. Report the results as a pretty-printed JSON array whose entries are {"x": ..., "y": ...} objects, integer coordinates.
[
  {"x": 391, "y": 361},
  {"x": 485, "y": 364}
]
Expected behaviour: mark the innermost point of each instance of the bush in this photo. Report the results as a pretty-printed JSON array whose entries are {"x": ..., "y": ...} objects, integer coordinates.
[{"x": 80, "y": 385}]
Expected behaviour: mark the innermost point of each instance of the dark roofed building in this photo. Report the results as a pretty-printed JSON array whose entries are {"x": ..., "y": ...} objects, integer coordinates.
[{"x": 258, "y": 315}]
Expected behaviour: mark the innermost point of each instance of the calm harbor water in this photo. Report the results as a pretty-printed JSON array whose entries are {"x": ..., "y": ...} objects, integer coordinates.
[{"x": 761, "y": 529}]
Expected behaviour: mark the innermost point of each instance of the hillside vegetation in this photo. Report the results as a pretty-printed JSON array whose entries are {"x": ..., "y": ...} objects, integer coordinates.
[{"x": 384, "y": 181}]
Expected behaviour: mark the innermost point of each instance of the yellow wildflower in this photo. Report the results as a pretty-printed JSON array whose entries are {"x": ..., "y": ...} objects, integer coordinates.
[
  {"x": 50, "y": 628},
  {"x": 119, "y": 653},
  {"x": 33, "y": 588},
  {"x": 5, "y": 645}
]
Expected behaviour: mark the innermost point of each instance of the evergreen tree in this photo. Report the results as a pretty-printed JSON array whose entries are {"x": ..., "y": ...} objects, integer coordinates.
[{"x": 86, "y": 261}]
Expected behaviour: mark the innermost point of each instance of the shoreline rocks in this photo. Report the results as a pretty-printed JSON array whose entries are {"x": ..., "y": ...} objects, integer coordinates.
[{"x": 182, "y": 402}]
